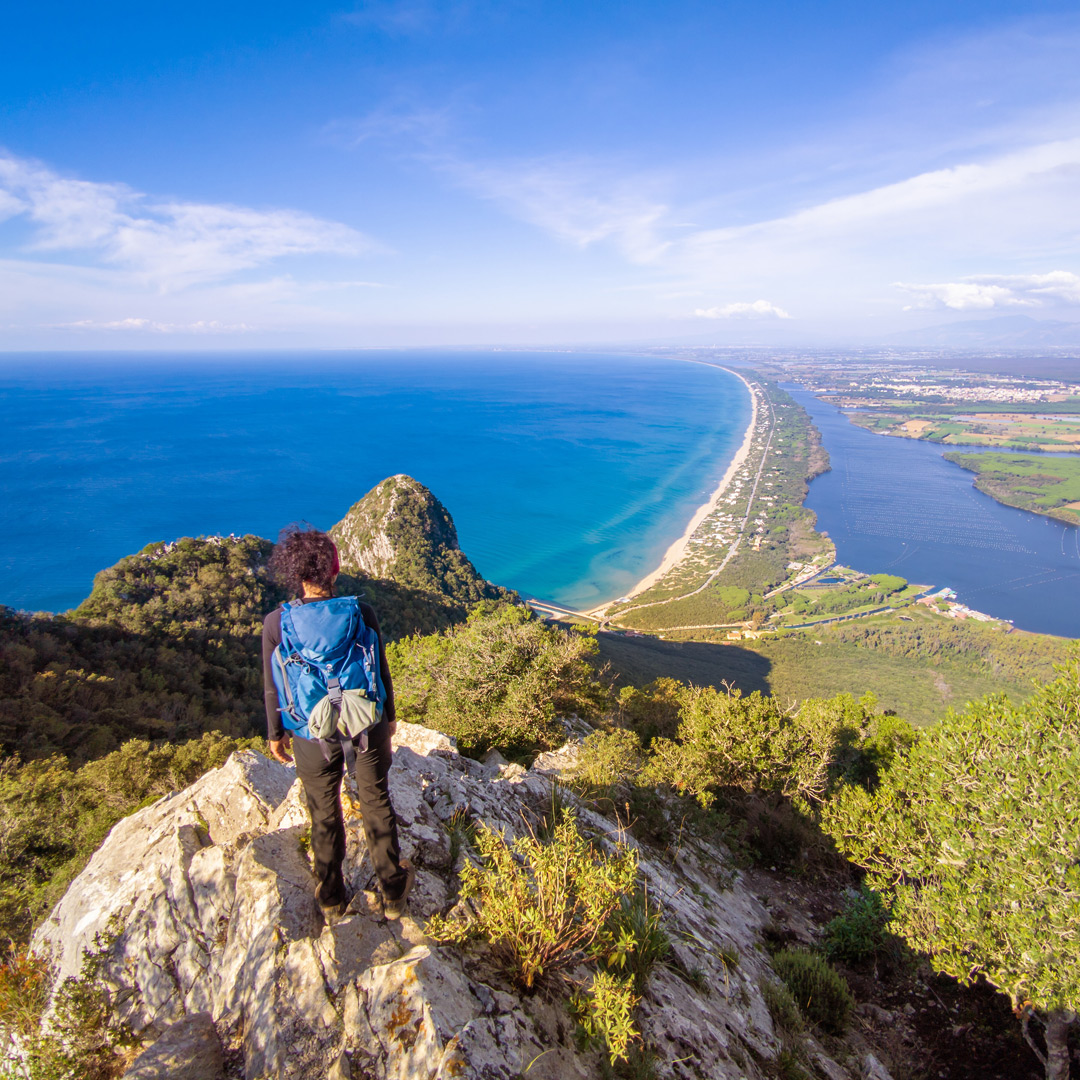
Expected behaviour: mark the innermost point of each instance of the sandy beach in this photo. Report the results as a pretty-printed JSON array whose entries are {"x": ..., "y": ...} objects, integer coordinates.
[{"x": 677, "y": 550}]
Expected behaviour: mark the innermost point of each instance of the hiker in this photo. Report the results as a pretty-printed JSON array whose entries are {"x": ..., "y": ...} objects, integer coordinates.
[{"x": 307, "y": 710}]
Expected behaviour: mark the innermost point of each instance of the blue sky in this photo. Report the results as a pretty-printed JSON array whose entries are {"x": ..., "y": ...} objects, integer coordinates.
[{"x": 426, "y": 172}]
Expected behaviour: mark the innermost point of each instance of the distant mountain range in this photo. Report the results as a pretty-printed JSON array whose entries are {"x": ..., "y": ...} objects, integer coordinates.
[{"x": 1003, "y": 331}]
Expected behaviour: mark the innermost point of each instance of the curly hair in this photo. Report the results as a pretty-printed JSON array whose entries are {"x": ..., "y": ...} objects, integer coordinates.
[{"x": 304, "y": 555}]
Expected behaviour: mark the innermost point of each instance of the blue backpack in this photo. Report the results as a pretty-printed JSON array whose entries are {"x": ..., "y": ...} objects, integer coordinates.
[{"x": 326, "y": 669}]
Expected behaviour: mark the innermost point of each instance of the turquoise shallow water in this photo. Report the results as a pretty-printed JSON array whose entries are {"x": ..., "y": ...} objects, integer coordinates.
[{"x": 567, "y": 475}]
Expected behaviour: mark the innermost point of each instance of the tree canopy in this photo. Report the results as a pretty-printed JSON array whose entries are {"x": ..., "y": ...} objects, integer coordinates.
[{"x": 973, "y": 831}]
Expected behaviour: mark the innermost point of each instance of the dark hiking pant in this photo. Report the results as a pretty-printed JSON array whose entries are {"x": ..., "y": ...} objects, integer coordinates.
[{"x": 321, "y": 775}]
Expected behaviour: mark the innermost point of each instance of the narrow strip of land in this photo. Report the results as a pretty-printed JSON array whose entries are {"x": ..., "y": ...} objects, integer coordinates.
[
  {"x": 740, "y": 532},
  {"x": 677, "y": 551}
]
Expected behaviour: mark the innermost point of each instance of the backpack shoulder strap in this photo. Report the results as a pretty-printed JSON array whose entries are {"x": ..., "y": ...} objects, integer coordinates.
[{"x": 289, "y": 640}]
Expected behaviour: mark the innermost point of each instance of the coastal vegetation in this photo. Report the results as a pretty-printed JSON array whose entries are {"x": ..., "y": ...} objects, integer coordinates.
[
  {"x": 917, "y": 666},
  {"x": 164, "y": 648},
  {"x": 1005, "y": 426},
  {"x": 1043, "y": 485},
  {"x": 498, "y": 680},
  {"x": 1006, "y": 411}
]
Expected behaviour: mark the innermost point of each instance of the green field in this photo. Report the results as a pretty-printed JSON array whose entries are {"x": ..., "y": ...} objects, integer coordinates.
[
  {"x": 1009, "y": 427},
  {"x": 1044, "y": 485},
  {"x": 917, "y": 667}
]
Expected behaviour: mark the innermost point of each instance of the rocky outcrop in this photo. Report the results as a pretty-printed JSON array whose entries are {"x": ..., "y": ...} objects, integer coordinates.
[
  {"x": 400, "y": 532},
  {"x": 202, "y": 903},
  {"x": 189, "y": 1050}
]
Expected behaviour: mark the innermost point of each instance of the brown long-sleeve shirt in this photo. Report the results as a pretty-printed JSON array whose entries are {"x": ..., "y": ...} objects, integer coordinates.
[{"x": 271, "y": 639}]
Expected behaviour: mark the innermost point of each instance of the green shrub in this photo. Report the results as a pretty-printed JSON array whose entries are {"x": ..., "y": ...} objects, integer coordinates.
[
  {"x": 821, "y": 993},
  {"x": 858, "y": 933},
  {"x": 608, "y": 758},
  {"x": 726, "y": 740},
  {"x": 497, "y": 681},
  {"x": 638, "y": 939},
  {"x": 25, "y": 983},
  {"x": 81, "y": 1038},
  {"x": 789, "y": 1066},
  {"x": 651, "y": 710},
  {"x": 972, "y": 831},
  {"x": 605, "y": 1012},
  {"x": 543, "y": 908},
  {"x": 782, "y": 1008}
]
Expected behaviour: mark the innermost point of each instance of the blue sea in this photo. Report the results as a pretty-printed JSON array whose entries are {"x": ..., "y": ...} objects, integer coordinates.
[{"x": 567, "y": 475}]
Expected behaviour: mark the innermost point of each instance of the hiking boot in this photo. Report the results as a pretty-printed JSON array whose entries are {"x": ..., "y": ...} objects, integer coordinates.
[
  {"x": 394, "y": 909},
  {"x": 331, "y": 912}
]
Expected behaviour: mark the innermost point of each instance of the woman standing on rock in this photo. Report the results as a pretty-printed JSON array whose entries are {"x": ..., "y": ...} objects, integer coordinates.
[{"x": 306, "y": 563}]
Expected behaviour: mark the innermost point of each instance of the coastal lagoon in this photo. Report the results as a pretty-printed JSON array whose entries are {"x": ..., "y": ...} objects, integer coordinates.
[
  {"x": 568, "y": 475},
  {"x": 897, "y": 506}
]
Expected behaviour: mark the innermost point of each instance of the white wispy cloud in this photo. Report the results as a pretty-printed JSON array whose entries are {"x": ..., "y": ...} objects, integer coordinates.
[
  {"x": 172, "y": 243},
  {"x": 396, "y": 123},
  {"x": 575, "y": 200},
  {"x": 1059, "y": 288},
  {"x": 1016, "y": 204},
  {"x": 758, "y": 309},
  {"x": 153, "y": 326},
  {"x": 928, "y": 200}
]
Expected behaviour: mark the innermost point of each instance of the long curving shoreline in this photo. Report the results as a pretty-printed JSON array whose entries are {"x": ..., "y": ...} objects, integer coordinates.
[{"x": 677, "y": 550}]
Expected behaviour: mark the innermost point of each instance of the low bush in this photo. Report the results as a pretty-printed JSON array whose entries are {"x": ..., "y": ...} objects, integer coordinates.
[
  {"x": 25, "y": 983},
  {"x": 821, "y": 993},
  {"x": 782, "y": 1008},
  {"x": 605, "y": 1013},
  {"x": 499, "y": 680},
  {"x": 78, "y": 1037},
  {"x": 858, "y": 933},
  {"x": 546, "y": 906},
  {"x": 726, "y": 740},
  {"x": 638, "y": 939},
  {"x": 652, "y": 711},
  {"x": 543, "y": 907},
  {"x": 608, "y": 758}
]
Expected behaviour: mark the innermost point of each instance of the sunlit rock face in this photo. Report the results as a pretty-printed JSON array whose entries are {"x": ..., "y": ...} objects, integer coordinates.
[
  {"x": 400, "y": 532},
  {"x": 203, "y": 904}
]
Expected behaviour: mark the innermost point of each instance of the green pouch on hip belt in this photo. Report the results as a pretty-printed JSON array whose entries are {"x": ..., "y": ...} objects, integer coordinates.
[{"x": 354, "y": 714}]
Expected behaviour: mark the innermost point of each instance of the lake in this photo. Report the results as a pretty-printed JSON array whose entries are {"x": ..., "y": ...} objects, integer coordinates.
[{"x": 897, "y": 506}]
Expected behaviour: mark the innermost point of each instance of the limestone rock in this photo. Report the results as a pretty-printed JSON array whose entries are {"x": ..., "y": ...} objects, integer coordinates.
[
  {"x": 874, "y": 1070},
  {"x": 205, "y": 905},
  {"x": 189, "y": 1050},
  {"x": 400, "y": 532}
]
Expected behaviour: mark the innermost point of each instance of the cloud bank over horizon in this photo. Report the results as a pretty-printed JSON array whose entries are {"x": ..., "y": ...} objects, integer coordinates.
[
  {"x": 758, "y": 309},
  {"x": 1058, "y": 289}
]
